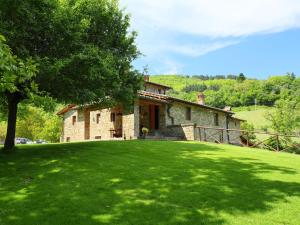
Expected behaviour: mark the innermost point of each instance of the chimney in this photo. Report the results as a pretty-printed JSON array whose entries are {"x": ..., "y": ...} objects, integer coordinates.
[
  {"x": 146, "y": 78},
  {"x": 201, "y": 98},
  {"x": 227, "y": 108}
]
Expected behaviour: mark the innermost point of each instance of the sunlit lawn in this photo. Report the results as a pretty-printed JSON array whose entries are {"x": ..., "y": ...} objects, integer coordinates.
[{"x": 144, "y": 182}]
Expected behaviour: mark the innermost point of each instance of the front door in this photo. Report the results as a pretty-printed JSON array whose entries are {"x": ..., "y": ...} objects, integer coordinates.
[{"x": 154, "y": 117}]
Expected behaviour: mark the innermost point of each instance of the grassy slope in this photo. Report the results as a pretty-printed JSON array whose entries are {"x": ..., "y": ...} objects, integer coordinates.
[
  {"x": 253, "y": 115},
  {"x": 179, "y": 82},
  {"x": 139, "y": 182}
]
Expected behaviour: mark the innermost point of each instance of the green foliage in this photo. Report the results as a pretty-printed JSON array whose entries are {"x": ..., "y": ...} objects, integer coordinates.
[
  {"x": 230, "y": 92},
  {"x": 16, "y": 75},
  {"x": 284, "y": 119},
  {"x": 195, "y": 88},
  {"x": 249, "y": 128},
  {"x": 241, "y": 77},
  {"x": 273, "y": 144},
  {"x": 35, "y": 123},
  {"x": 84, "y": 48},
  {"x": 3, "y": 127}
]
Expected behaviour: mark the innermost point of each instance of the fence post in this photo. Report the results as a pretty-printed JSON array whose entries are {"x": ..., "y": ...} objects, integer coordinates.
[
  {"x": 204, "y": 133},
  {"x": 222, "y": 136},
  {"x": 247, "y": 139},
  {"x": 200, "y": 133},
  {"x": 277, "y": 142}
]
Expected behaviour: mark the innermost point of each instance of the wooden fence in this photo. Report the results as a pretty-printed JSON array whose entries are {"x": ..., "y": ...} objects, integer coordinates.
[{"x": 272, "y": 141}]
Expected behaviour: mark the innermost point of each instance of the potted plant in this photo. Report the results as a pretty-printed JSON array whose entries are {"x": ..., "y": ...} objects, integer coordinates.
[{"x": 145, "y": 132}]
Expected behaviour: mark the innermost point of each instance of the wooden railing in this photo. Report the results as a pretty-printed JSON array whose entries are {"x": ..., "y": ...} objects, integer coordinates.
[{"x": 244, "y": 138}]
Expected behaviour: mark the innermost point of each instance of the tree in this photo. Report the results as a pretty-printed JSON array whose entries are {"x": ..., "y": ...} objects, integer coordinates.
[
  {"x": 83, "y": 48},
  {"x": 284, "y": 119},
  {"x": 2, "y": 131},
  {"x": 35, "y": 123},
  {"x": 241, "y": 77},
  {"x": 15, "y": 85}
]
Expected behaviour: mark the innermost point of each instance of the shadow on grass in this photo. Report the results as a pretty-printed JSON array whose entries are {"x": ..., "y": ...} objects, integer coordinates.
[{"x": 134, "y": 183}]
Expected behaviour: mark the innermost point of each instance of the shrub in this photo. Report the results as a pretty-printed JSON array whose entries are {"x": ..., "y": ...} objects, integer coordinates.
[{"x": 195, "y": 88}]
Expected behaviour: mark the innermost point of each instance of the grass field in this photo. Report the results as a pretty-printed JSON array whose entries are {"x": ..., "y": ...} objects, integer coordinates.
[
  {"x": 148, "y": 182},
  {"x": 179, "y": 82},
  {"x": 254, "y": 115}
]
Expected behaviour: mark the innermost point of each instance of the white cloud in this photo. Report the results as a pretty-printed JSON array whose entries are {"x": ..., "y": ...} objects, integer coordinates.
[
  {"x": 197, "y": 27},
  {"x": 200, "y": 49},
  {"x": 215, "y": 18},
  {"x": 170, "y": 67}
]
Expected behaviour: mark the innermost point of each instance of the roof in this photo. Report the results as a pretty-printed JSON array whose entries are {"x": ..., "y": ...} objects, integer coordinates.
[
  {"x": 153, "y": 96},
  {"x": 168, "y": 99},
  {"x": 160, "y": 98},
  {"x": 66, "y": 109},
  {"x": 235, "y": 118},
  {"x": 159, "y": 85}
]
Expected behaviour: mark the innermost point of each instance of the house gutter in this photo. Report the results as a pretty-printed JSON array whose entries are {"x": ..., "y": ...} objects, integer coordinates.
[{"x": 169, "y": 106}]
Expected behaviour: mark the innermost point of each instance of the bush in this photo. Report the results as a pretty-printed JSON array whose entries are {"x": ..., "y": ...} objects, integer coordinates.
[
  {"x": 195, "y": 88},
  {"x": 271, "y": 144},
  {"x": 2, "y": 131},
  {"x": 250, "y": 128}
]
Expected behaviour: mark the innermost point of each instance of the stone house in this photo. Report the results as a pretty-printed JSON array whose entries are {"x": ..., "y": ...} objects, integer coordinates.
[{"x": 165, "y": 117}]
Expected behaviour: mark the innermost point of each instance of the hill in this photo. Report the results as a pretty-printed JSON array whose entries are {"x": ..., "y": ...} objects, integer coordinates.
[
  {"x": 254, "y": 115},
  {"x": 148, "y": 182},
  {"x": 231, "y": 92}
]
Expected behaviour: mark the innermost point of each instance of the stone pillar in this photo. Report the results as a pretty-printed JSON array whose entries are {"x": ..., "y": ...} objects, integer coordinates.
[
  {"x": 189, "y": 131},
  {"x": 131, "y": 123}
]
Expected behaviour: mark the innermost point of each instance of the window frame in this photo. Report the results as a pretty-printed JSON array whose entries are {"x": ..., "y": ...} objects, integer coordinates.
[
  {"x": 216, "y": 119},
  {"x": 98, "y": 116},
  {"x": 74, "y": 120},
  {"x": 188, "y": 113},
  {"x": 112, "y": 117}
]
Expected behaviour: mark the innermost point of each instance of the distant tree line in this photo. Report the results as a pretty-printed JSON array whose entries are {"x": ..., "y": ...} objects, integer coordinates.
[{"x": 220, "y": 77}]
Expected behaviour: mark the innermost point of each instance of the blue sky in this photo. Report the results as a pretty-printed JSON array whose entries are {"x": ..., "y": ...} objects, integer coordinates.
[{"x": 257, "y": 37}]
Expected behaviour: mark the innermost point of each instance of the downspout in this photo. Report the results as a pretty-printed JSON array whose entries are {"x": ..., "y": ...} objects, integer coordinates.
[{"x": 169, "y": 106}]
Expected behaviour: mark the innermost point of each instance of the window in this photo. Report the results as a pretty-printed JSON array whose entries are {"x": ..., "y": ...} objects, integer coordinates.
[
  {"x": 98, "y": 118},
  {"x": 73, "y": 120},
  {"x": 216, "y": 119},
  {"x": 112, "y": 117},
  {"x": 188, "y": 113}
]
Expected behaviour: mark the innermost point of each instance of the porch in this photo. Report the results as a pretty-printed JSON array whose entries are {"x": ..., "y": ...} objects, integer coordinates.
[{"x": 152, "y": 115}]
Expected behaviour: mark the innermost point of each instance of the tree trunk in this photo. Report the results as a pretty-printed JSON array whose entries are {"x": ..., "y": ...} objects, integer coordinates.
[{"x": 13, "y": 101}]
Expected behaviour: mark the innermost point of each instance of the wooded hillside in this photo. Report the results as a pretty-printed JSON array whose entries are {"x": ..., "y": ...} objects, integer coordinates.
[{"x": 233, "y": 91}]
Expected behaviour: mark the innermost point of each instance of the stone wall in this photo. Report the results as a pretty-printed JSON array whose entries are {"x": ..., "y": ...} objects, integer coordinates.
[
  {"x": 234, "y": 136},
  {"x": 154, "y": 89},
  {"x": 102, "y": 129},
  {"x": 98, "y": 131},
  {"x": 73, "y": 132},
  {"x": 199, "y": 116},
  {"x": 181, "y": 127},
  {"x": 131, "y": 123}
]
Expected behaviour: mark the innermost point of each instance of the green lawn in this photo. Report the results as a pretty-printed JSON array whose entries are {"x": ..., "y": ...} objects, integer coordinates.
[{"x": 148, "y": 182}]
